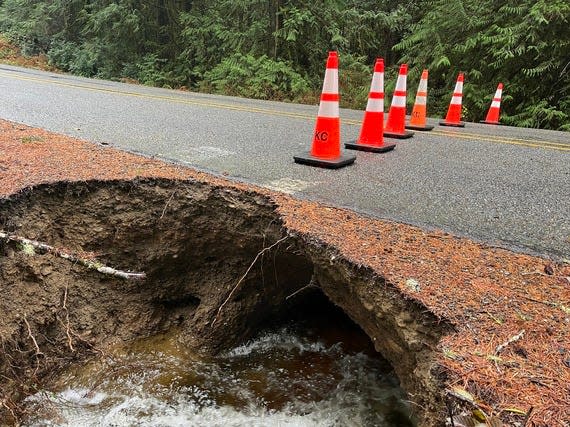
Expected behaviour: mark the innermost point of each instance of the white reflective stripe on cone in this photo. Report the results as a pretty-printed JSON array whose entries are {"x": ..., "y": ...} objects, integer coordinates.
[
  {"x": 377, "y": 82},
  {"x": 401, "y": 82},
  {"x": 422, "y": 86},
  {"x": 375, "y": 105},
  {"x": 421, "y": 100},
  {"x": 458, "y": 87},
  {"x": 456, "y": 100},
  {"x": 329, "y": 109},
  {"x": 496, "y": 104},
  {"x": 399, "y": 101},
  {"x": 330, "y": 84}
]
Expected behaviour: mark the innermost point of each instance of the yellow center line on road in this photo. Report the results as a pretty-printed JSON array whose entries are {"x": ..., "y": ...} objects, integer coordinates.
[
  {"x": 506, "y": 140},
  {"x": 459, "y": 135},
  {"x": 248, "y": 109}
]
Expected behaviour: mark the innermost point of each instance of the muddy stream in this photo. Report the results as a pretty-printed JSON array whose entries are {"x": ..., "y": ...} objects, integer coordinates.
[
  {"x": 315, "y": 371},
  {"x": 239, "y": 321}
]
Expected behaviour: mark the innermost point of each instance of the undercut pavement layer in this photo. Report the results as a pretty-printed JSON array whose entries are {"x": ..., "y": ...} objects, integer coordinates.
[{"x": 465, "y": 325}]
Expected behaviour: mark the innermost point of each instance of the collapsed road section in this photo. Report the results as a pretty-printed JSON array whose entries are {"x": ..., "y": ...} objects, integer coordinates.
[{"x": 218, "y": 263}]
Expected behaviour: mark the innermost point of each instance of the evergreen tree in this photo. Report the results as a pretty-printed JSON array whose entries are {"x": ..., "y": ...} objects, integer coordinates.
[{"x": 526, "y": 46}]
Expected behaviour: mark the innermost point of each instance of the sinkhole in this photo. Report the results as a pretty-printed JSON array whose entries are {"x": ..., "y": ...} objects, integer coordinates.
[{"x": 238, "y": 316}]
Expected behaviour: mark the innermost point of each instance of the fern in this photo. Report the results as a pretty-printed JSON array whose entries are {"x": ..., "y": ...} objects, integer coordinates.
[{"x": 524, "y": 45}]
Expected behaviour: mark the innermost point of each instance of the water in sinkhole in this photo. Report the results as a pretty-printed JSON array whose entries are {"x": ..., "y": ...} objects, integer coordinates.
[{"x": 311, "y": 372}]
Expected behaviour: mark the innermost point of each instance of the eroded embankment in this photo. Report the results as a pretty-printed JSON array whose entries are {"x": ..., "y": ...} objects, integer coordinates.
[{"x": 219, "y": 261}]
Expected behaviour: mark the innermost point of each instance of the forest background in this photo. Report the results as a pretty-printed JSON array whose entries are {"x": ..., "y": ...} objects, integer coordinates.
[{"x": 276, "y": 49}]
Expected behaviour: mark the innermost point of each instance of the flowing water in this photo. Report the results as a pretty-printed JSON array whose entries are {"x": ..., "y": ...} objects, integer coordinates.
[{"x": 295, "y": 375}]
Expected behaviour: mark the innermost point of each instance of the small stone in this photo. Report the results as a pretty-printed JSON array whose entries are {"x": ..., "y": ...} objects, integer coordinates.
[
  {"x": 549, "y": 269},
  {"x": 46, "y": 270},
  {"x": 28, "y": 249},
  {"x": 413, "y": 285}
]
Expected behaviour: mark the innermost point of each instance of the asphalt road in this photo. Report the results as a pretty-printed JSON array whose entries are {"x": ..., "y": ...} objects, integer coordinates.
[{"x": 501, "y": 185}]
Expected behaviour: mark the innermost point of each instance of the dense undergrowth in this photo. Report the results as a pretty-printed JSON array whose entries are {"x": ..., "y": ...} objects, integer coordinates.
[{"x": 276, "y": 49}]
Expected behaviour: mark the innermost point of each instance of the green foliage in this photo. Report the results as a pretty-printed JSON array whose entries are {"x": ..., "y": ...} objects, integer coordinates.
[
  {"x": 525, "y": 46},
  {"x": 112, "y": 37},
  {"x": 354, "y": 81},
  {"x": 69, "y": 56},
  {"x": 149, "y": 71},
  {"x": 261, "y": 78},
  {"x": 97, "y": 38},
  {"x": 24, "y": 23}
]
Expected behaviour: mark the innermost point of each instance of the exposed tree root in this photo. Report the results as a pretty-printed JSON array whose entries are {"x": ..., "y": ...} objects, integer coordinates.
[
  {"x": 266, "y": 249},
  {"x": 91, "y": 264}
]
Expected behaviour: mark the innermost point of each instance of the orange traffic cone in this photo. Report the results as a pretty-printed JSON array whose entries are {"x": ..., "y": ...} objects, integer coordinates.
[
  {"x": 418, "y": 119},
  {"x": 395, "y": 125},
  {"x": 494, "y": 110},
  {"x": 371, "y": 138},
  {"x": 325, "y": 151},
  {"x": 453, "y": 117}
]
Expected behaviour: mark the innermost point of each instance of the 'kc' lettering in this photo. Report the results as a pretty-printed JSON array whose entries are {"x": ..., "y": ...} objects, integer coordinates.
[{"x": 321, "y": 136}]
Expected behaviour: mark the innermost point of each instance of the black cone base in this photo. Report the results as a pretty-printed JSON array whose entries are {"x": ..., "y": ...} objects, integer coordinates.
[
  {"x": 354, "y": 145},
  {"x": 336, "y": 163},
  {"x": 422, "y": 128},
  {"x": 404, "y": 135},
  {"x": 456, "y": 125},
  {"x": 489, "y": 123}
]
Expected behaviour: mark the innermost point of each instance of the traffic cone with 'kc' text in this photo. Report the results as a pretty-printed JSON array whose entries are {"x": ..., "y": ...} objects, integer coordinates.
[
  {"x": 325, "y": 150},
  {"x": 494, "y": 110},
  {"x": 453, "y": 117},
  {"x": 371, "y": 138},
  {"x": 396, "y": 123},
  {"x": 418, "y": 118}
]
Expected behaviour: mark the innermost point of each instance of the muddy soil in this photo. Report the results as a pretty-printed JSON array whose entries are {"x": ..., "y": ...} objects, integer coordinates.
[{"x": 219, "y": 262}]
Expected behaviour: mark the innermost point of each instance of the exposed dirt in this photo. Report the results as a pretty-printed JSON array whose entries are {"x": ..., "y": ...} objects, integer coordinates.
[
  {"x": 10, "y": 54},
  {"x": 195, "y": 242},
  {"x": 444, "y": 311}
]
